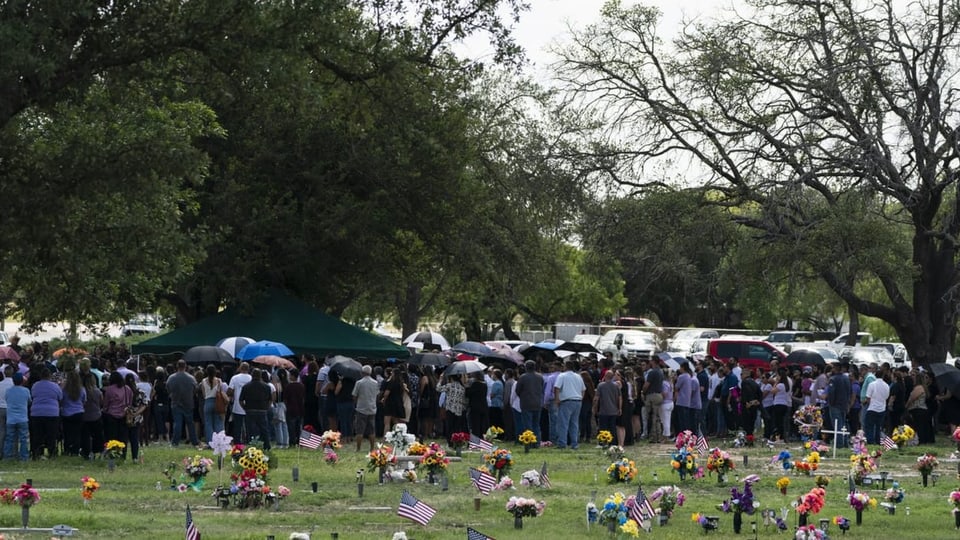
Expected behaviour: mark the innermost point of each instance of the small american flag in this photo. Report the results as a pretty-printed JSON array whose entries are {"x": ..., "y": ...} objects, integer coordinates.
[
  {"x": 476, "y": 443},
  {"x": 473, "y": 534},
  {"x": 702, "y": 445},
  {"x": 886, "y": 442},
  {"x": 192, "y": 532},
  {"x": 642, "y": 509},
  {"x": 310, "y": 440},
  {"x": 484, "y": 481},
  {"x": 414, "y": 509},
  {"x": 544, "y": 478}
]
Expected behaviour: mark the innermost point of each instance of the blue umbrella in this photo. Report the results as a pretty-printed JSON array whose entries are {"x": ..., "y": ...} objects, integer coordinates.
[{"x": 264, "y": 348}]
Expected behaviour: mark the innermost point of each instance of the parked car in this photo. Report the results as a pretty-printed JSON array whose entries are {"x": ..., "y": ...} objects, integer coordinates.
[
  {"x": 866, "y": 355},
  {"x": 789, "y": 336},
  {"x": 629, "y": 343},
  {"x": 897, "y": 350},
  {"x": 141, "y": 324},
  {"x": 636, "y": 321},
  {"x": 751, "y": 353},
  {"x": 683, "y": 341},
  {"x": 840, "y": 341},
  {"x": 592, "y": 339},
  {"x": 4, "y": 339},
  {"x": 829, "y": 355}
]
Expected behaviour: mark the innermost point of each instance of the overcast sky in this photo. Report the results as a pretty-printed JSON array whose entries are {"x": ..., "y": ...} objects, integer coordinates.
[{"x": 546, "y": 21}]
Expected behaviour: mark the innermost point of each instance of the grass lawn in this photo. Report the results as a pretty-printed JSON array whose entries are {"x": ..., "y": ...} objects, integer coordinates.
[{"x": 129, "y": 505}]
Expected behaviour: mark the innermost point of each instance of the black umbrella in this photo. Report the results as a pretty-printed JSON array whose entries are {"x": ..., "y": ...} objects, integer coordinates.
[
  {"x": 806, "y": 357},
  {"x": 429, "y": 359},
  {"x": 347, "y": 367},
  {"x": 948, "y": 377},
  {"x": 577, "y": 347},
  {"x": 202, "y": 355}
]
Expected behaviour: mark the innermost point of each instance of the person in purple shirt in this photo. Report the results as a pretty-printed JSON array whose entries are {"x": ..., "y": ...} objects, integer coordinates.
[
  {"x": 44, "y": 415},
  {"x": 683, "y": 388},
  {"x": 71, "y": 409},
  {"x": 696, "y": 403}
]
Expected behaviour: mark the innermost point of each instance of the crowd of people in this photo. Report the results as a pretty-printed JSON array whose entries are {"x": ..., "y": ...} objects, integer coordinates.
[{"x": 72, "y": 405}]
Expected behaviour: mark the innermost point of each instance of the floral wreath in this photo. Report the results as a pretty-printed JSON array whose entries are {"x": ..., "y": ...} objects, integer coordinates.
[{"x": 809, "y": 420}]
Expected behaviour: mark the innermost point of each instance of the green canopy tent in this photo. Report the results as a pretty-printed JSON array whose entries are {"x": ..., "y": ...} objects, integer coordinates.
[{"x": 301, "y": 327}]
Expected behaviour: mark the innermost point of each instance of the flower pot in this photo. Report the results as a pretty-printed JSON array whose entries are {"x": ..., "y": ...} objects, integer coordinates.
[
  {"x": 526, "y": 449},
  {"x": 612, "y": 527},
  {"x": 383, "y": 474},
  {"x": 25, "y": 516},
  {"x": 926, "y": 476},
  {"x": 664, "y": 519},
  {"x": 737, "y": 522},
  {"x": 721, "y": 478},
  {"x": 111, "y": 464},
  {"x": 517, "y": 522},
  {"x": 459, "y": 451},
  {"x": 859, "y": 517},
  {"x": 956, "y": 519},
  {"x": 296, "y": 474},
  {"x": 803, "y": 519}
]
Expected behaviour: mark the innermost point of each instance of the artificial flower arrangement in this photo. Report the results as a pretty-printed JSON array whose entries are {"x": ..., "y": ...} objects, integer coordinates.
[
  {"x": 861, "y": 501},
  {"x": 956, "y": 437},
  {"x": 816, "y": 446},
  {"x": 811, "y": 502},
  {"x": 522, "y": 507},
  {"x": 614, "y": 510},
  {"x": 809, "y": 420},
  {"x": 236, "y": 451},
  {"x": 88, "y": 486},
  {"x": 894, "y": 494},
  {"x": 810, "y": 532},
  {"x": 742, "y": 501},
  {"x": 630, "y": 529},
  {"x": 435, "y": 460},
  {"x": 459, "y": 439},
  {"x": 527, "y": 438},
  {"x": 400, "y": 440},
  {"x": 719, "y": 461},
  {"x": 784, "y": 459},
  {"x": 505, "y": 483},
  {"x": 380, "y": 457},
  {"x": 954, "y": 499},
  {"x": 249, "y": 488},
  {"x": 858, "y": 443},
  {"x": 809, "y": 464},
  {"x": 615, "y": 452},
  {"x": 821, "y": 481},
  {"x": 113, "y": 449},
  {"x": 686, "y": 439},
  {"x": 330, "y": 457},
  {"x": 684, "y": 461},
  {"x": 903, "y": 435},
  {"x": 25, "y": 495},
  {"x": 841, "y": 522},
  {"x": 493, "y": 433},
  {"x": 670, "y": 497},
  {"x": 927, "y": 463},
  {"x": 6, "y": 495},
  {"x": 197, "y": 468},
  {"x": 417, "y": 449},
  {"x": 171, "y": 473},
  {"x": 862, "y": 465},
  {"x": 623, "y": 470},
  {"x": 604, "y": 438},
  {"x": 330, "y": 439},
  {"x": 782, "y": 484},
  {"x": 531, "y": 478},
  {"x": 500, "y": 461}
]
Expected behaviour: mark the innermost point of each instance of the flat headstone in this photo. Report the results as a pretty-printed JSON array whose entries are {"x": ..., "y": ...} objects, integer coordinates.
[{"x": 370, "y": 508}]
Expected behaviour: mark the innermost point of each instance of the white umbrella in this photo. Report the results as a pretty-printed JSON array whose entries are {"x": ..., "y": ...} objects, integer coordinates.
[
  {"x": 465, "y": 367},
  {"x": 233, "y": 344},
  {"x": 427, "y": 338}
]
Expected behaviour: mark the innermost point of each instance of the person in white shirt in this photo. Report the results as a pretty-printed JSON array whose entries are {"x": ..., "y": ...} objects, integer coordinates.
[
  {"x": 237, "y": 382},
  {"x": 876, "y": 404},
  {"x": 5, "y": 385}
]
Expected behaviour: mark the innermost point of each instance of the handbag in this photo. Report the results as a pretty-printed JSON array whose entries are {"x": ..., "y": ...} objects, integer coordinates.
[
  {"x": 221, "y": 402},
  {"x": 279, "y": 412}
]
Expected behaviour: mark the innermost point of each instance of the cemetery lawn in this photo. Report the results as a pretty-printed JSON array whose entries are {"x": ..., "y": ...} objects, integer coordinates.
[{"x": 128, "y": 505}]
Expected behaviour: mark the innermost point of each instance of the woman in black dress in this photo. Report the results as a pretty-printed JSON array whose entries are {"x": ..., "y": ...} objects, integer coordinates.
[{"x": 478, "y": 412}]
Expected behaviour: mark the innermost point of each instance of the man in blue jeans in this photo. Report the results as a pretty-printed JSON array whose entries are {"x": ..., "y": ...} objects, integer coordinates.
[
  {"x": 529, "y": 389},
  {"x": 182, "y": 388},
  {"x": 839, "y": 398},
  {"x": 876, "y": 405},
  {"x": 568, "y": 392}
]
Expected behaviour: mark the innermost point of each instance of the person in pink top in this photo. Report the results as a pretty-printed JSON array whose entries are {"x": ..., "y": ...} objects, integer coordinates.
[{"x": 116, "y": 398}]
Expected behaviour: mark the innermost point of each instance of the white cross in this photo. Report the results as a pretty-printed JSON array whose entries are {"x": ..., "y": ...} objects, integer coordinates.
[{"x": 835, "y": 432}]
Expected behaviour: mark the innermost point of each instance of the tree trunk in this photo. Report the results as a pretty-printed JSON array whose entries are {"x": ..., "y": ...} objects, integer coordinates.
[
  {"x": 508, "y": 332},
  {"x": 854, "y": 328},
  {"x": 408, "y": 307}
]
